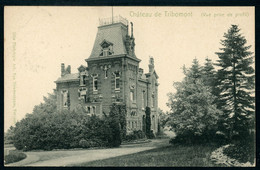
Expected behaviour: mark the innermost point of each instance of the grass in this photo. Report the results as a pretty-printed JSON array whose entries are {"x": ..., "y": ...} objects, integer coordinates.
[{"x": 173, "y": 155}]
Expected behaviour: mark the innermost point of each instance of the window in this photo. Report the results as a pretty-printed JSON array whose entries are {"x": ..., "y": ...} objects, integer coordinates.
[
  {"x": 83, "y": 79},
  {"x": 133, "y": 113},
  {"x": 95, "y": 83},
  {"x": 82, "y": 92},
  {"x": 88, "y": 109},
  {"x": 105, "y": 52},
  {"x": 94, "y": 110},
  {"x": 153, "y": 101},
  {"x": 107, "y": 48},
  {"x": 65, "y": 98},
  {"x": 117, "y": 78},
  {"x": 131, "y": 95},
  {"x": 105, "y": 74}
]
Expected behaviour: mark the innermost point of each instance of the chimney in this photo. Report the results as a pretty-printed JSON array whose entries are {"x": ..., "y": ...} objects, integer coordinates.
[
  {"x": 151, "y": 64},
  {"x": 68, "y": 69},
  {"x": 62, "y": 69}
]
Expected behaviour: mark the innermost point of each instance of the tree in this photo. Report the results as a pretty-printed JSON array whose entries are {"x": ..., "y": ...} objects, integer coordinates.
[
  {"x": 9, "y": 135},
  {"x": 117, "y": 122},
  {"x": 192, "y": 110},
  {"x": 235, "y": 83},
  {"x": 49, "y": 105},
  {"x": 164, "y": 118},
  {"x": 209, "y": 74},
  {"x": 148, "y": 122}
]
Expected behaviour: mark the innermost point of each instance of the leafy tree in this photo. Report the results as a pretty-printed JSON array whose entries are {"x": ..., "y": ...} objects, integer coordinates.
[
  {"x": 49, "y": 105},
  {"x": 235, "y": 83},
  {"x": 9, "y": 135},
  {"x": 193, "y": 111},
  {"x": 164, "y": 118}
]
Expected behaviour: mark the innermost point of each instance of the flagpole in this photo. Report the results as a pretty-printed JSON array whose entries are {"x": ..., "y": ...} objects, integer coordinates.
[{"x": 112, "y": 16}]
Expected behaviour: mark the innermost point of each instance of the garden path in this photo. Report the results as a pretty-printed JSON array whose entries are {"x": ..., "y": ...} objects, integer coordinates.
[{"x": 69, "y": 157}]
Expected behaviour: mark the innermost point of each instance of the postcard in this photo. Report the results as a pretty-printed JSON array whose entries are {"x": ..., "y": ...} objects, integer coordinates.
[{"x": 129, "y": 86}]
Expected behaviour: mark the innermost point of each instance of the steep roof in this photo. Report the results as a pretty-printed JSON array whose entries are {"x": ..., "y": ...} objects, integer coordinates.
[
  {"x": 68, "y": 78},
  {"x": 114, "y": 33}
]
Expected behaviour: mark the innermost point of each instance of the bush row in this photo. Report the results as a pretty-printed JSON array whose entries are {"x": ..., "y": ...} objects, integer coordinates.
[
  {"x": 135, "y": 135},
  {"x": 66, "y": 130},
  {"x": 190, "y": 138},
  {"x": 14, "y": 156}
]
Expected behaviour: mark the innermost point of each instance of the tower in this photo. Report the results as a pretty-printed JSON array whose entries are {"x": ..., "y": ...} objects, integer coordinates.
[{"x": 112, "y": 75}]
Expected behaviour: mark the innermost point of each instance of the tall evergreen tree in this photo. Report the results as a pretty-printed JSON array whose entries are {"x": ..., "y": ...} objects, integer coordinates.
[
  {"x": 235, "y": 82},
  {"x": 209, "y": 74},
  {"x": 148, "y": 122}
]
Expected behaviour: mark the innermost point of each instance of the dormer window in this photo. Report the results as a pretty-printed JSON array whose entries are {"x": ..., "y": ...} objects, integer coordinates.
[{"x": 107, "y": 48}]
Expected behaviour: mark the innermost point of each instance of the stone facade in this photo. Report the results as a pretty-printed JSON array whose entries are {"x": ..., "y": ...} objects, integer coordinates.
[{"x": 112, "y": 75}]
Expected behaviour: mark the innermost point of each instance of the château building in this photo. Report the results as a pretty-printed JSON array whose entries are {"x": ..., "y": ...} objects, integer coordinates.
[{"x": 112, "y": 75}]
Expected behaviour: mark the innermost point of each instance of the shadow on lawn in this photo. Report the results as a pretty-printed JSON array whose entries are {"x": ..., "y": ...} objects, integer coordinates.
[{"x": 171, "y": 155}]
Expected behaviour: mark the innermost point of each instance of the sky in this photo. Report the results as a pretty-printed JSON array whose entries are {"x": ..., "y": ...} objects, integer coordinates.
[{"x": 38, "y": 39}]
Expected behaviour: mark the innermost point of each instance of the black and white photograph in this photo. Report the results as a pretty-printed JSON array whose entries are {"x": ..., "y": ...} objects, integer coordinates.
[{"x": 129, "y": 86}]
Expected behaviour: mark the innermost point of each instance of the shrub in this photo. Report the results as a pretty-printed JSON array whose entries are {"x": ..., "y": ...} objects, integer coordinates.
[
  {"x": 130, "y": 137},
  {"x": 140, "y": 134},
  {"x": 46, "y": 129},
  {"x": 190, "y": 138},
  {"x": 135, "y": 135},
  {"x": 14, "y": 156},
  {"x": 60, "y": 131},
  {"x": 83, "y": 143},
  {"x": 242, "y": 150}
]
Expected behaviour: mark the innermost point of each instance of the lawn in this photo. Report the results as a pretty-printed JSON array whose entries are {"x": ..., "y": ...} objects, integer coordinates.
[{"x": 173, "y": 155}]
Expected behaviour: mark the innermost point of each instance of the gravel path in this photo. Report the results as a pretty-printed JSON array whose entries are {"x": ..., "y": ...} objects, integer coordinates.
[{"x": 68, "y": 157}]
